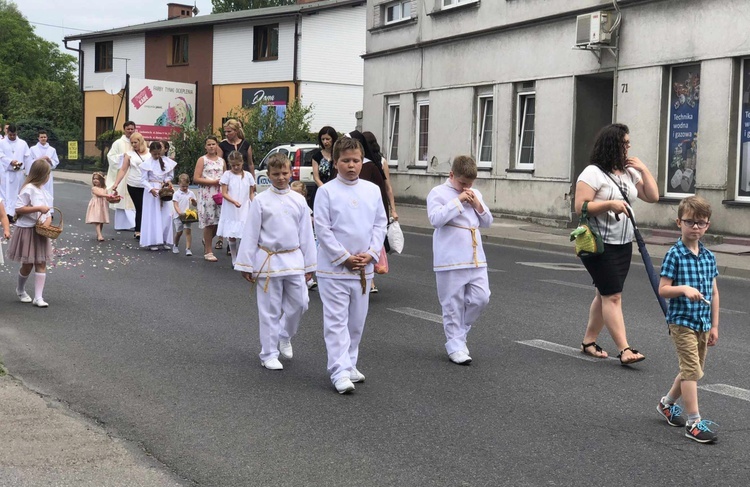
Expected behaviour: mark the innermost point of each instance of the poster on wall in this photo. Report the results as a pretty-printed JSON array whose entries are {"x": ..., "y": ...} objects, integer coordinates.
[
  {"x": 271, "y": 98},
  {"x": 743, "y": 189},
  {"x": 683, "y": 129},
  {"x": 160, "y": 107}
]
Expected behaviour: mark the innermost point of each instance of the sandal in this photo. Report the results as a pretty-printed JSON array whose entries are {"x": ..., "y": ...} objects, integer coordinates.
[
  {"x": 219, "y": 245},
  {"x": 210, "y": 257},
  {"x": 632, "y": 361},
  {"x": 597, "y": 353}
]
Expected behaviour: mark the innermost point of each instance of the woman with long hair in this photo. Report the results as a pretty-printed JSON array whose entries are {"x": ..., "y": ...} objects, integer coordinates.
[
  {"x": 131, "y": 165},
  {"x": 609, "y": 185}
]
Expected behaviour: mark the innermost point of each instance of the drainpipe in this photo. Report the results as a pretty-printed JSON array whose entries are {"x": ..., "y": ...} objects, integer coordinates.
[
  {"x": 80, "y": 87},
  {"x": 616, "y": 74},
  {"x": 295, "y": 75}
]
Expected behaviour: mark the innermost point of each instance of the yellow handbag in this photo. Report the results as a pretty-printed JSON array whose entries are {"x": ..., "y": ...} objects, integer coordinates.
[{"x": 588, "y": 241}]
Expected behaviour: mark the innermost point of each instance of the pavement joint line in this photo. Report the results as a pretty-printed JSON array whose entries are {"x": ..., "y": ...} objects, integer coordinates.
[
  {"x": 565, "y": 283},
  {"x": 418, "y": 313},
  {"x": 561, "y": 349},
  {"x": 727, "y": 390}
]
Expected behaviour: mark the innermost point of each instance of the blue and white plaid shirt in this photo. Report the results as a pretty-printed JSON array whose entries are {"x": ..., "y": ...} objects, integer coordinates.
[{"x": 698, "y": 271}]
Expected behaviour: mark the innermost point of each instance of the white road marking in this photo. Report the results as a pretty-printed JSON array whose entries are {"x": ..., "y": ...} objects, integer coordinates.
[
  {"x": 418, "y": 313},
  {"x": 554, "y": 266},
  {"x": 495, "y": 270},
  {"x": 727, "y": 390},
  {"x": 406, "y": 256},
  {"x": 732, "y": 311},
  {"x": 561, "y": 349},
  {"x": 570, "y": 284}
]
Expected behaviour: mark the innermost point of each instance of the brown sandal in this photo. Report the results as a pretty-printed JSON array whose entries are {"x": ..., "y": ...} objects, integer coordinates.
[{"x": 598, "y": 351}]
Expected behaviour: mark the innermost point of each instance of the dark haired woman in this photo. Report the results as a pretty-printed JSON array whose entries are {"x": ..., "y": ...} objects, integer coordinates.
[
  {"x": 156, "y": 223},
  {"x": 322, "y": 159},
  {"x": 609, "y": 185}
]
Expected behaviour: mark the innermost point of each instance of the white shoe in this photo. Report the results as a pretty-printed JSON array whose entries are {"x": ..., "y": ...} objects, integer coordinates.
[
  {"x": 24, "y": 297},
  {"x": 168, "y": 247},
  {"x": 460, "y": 358},
  {"x": 343, "y": 385},
  {"x": 311, "y": 284},
  {"x": 188, "y": 252},
  {"x": 40, "y": 303},
  {"x": 175, "y": 250},
  {"x": 154, "y": 247},
  {"x": 272, "y": 364},
  {"x": 356, "y": 376},
  {"x": 285, "y": 348}
]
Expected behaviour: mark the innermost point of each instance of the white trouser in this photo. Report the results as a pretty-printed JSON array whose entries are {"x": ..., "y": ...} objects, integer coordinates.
[
  {"x": 344, "y": 314},
  {"x": 279, "y": 311},
  {"x": 463, "y": 294}
]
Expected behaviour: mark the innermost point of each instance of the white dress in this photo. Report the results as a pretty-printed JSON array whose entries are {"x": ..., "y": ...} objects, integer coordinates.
[
  {"x": 156, "y": 221},
  {"x": 124, "y": 210},
  {"x": 39, "y": 151},
  {"x": 232, "y": 219},
  {"x": 11, "y": 180}
]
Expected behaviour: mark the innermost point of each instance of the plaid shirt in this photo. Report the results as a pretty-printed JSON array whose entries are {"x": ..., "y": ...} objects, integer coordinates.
[{"x": 698, "y": 271}]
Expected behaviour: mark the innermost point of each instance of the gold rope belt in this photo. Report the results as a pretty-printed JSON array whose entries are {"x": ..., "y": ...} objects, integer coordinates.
[
  {"x": 363, "y": 280},
  {"x": 474, "y": 242},
  {"x": 268, "y": 261}
]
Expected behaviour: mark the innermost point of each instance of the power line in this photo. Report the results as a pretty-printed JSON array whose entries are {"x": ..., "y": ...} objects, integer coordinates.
[{"x": 60, "y": 26}]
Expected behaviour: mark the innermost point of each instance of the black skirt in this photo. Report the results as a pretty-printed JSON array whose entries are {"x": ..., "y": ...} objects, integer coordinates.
[{"x": 610, "y": 268}]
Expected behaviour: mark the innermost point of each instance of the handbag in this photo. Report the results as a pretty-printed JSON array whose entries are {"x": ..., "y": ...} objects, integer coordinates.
[
  {"x": 381, "y": 267},
  {"x": 588, "y": 241},
  {"x": 218, "y": 198},
  {"x": 395, "y": 236}
]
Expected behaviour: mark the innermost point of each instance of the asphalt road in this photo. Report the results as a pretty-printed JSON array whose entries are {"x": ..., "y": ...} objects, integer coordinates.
[{"x": 162, "y": 350}]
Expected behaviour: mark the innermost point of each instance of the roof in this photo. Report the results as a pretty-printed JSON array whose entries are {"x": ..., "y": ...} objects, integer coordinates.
[{"x": 223, "y": 18}]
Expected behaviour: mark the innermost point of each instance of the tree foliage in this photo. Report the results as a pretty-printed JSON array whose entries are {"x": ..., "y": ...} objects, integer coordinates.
[
  {"x": 189, "y": 145},
  {"x": 37, "y": 81},
  {"x": 221, "y": 6}
]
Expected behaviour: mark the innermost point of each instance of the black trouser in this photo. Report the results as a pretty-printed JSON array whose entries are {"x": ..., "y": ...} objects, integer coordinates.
[{"x": 136, "y": 194}]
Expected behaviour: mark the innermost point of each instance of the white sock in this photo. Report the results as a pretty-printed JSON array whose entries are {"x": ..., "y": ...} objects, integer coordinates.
[
  {"x": 39, "y": 279},
  {"x": 21, "y": 286}
]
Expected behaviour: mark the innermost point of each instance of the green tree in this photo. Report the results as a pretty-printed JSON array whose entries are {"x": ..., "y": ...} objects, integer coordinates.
[
  {"x": 221, "y": 6},
  {"x": 189, "y": 145},
  {"x": 37, "y": 81},
  {"x": 264, "y": 129}
]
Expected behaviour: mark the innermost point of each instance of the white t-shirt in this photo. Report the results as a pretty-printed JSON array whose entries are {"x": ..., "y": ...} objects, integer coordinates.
[
  {"x": 183, "y": 200},
  {"x": 612, "y": 231},
  {"x": 30, "y": 195}
]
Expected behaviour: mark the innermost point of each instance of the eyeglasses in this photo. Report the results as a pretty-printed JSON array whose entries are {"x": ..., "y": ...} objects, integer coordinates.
[
  {"x": 626, "y": 143},
  {"x": 691, "y": 223}
]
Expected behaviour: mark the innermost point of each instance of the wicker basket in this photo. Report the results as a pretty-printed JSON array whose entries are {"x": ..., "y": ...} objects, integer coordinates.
[
  {"x": 49, "y": 231},
  {"x": 166, "y": 192},
  {"x": 114, "y": 197},
  {"x": 187, "y": 219}
]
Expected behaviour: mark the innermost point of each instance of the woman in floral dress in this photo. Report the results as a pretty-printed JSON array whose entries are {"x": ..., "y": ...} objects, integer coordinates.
[{"x": 208, "y": 171}]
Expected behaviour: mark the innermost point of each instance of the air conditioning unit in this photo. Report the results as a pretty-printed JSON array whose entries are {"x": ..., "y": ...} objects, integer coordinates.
[{"x": 594, "y": 28}]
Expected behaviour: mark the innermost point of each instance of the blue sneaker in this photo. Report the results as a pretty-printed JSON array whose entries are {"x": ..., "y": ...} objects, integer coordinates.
[
  {"x": 701, "y": 431},
  {"x": 672, "y": 413}
]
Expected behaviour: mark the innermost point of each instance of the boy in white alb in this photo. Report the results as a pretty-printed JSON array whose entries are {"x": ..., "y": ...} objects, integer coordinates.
[
  {"x": 457, "y": 212},
  {"x": 350, "y": 223},
  {"x": 42, "y": 150},
  {"x": 182, "y": 200},
  {"x": 278, "y": 250}
]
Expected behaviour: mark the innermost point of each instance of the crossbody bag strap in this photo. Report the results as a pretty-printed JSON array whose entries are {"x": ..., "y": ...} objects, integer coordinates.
[{"x": 625, "y": 197}]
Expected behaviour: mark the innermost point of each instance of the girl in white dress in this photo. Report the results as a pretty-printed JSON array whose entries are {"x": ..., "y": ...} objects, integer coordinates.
[
  {"x": 6, "y": 227},
  {"x": 156, "y": 219},
  {"x": 237, "y": 188}
]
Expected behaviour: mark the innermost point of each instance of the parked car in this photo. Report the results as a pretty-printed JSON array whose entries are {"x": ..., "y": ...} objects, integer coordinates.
[{"x": 301, "y": 157}]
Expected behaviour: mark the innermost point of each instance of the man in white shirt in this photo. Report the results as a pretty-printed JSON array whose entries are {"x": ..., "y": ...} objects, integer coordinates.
[
  {"x": 42, "y": 150},
  {"x": 124, "y": 210},
  {"x": 15, "y": 161}
]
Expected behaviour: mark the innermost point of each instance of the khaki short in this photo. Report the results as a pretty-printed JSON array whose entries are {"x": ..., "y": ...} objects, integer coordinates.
[{"x": 691, "y": 351}]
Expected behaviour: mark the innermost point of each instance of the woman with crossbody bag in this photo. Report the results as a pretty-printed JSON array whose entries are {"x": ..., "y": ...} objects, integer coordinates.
[{"x": 608, "y": 184}]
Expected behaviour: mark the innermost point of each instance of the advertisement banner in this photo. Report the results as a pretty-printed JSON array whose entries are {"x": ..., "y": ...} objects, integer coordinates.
[
  {"x": 160, "y": 107},
  {"x": 274, "y": 98},
  {"x": 744, "y": 173},
  {"x": 683, "y": 130}
]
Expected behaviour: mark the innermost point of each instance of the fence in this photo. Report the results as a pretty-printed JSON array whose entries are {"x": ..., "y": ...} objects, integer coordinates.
[{"x": 88, "y": 158}]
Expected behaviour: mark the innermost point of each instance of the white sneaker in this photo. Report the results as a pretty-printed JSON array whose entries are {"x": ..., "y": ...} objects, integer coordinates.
[
  {"x": 40, "y": 303},
  {"x": 188, "y": 252},
  {"x": 285, "y": 348},
  {"x": 343, "y": 385},
  {"x": 154, "y": 247},
  {"x": 460, "y": 358},
  {"x": 356, "y": 376},
  {"x": 311, "y": 284},
  {"x": 175, "y": 250},
  {"x": 168, "y": 247},
  {"x": 272, "y": 364},
  {"x": 24, "y": 297}
]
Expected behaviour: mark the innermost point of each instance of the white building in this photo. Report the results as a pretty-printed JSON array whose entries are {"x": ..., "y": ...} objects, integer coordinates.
[{"x": 501, "y": 80}]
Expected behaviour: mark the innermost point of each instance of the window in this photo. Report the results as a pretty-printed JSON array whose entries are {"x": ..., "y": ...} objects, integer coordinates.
[
  {"x": 266, "y": 42},
  {"x": 525, "y": 130},
  {"x": 394, "y": 113},
  {"x": 179, "y": 50},
  {"x": 456, "y": 3},
  {"x": 104, "y": 124},
  {"x": 103, "y": 57},
  {"x": 484, "y": 130},
  {"x": 743, "y": 173},
  {"x": 682, "y": 129},
  {"x": 423, "y": 129},
  {"x": 397, "y": 11}
]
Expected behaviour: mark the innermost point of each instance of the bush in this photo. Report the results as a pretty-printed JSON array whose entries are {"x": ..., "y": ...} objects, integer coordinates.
[
  {"x": 189, "y": 145},
  {"x": 105, "y": 140}
]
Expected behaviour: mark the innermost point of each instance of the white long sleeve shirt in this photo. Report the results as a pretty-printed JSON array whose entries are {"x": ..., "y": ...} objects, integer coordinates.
[
  {"x": 349, "y": 219},
  {"x": 278, "y": 237},
  {"x": 456, "y": 242}
]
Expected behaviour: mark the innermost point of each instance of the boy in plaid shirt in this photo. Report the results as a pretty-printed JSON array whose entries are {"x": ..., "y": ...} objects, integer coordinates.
[{"x": 688, "y": 279}]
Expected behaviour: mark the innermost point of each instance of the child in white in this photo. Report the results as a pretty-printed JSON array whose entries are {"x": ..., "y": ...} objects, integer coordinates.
[
  {"x": 182, "y": 200},
  {"x": 457, "y": 212},
  {"x": 5, "y": 222},
  {"x": 277, "y": 250},
  {"x": 237, "y": 189},
  {"x": 42, "y": 150},
  {"x": 350, "y": 223},
  {"x": 156, "y": 222}
]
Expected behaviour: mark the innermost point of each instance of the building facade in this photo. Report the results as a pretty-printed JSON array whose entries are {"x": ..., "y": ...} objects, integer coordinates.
[{"x": 512, "y": 83}]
